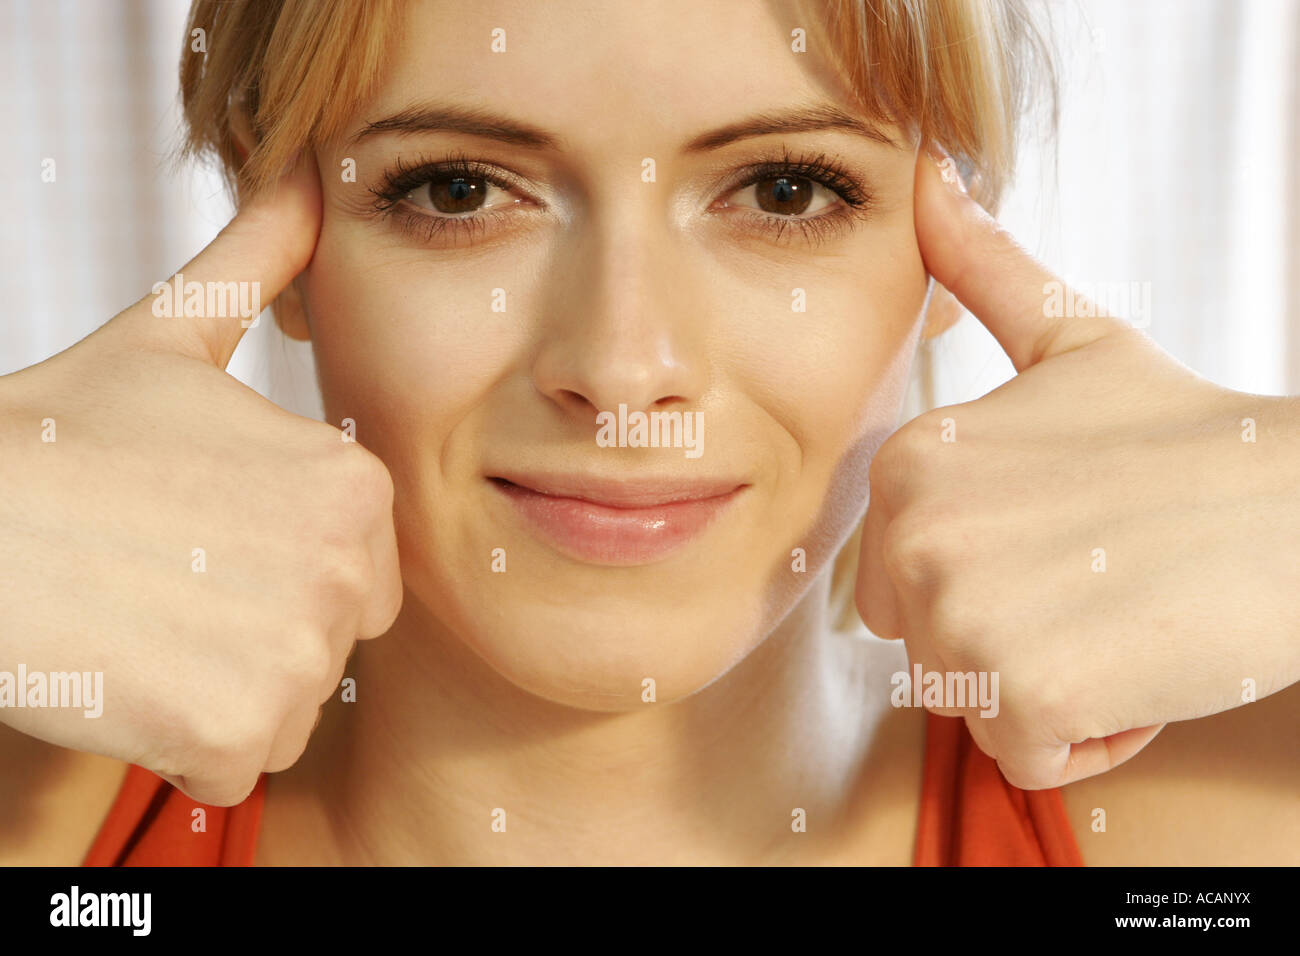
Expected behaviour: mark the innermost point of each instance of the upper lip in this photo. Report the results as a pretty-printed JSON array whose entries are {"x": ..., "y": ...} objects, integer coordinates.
[{"x": 639, "y": 492}]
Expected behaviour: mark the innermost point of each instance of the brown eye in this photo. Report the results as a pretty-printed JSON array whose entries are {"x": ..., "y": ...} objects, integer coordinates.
[
  {"x": 459, "y": 195},
  {"x": 784, "y": 195}
]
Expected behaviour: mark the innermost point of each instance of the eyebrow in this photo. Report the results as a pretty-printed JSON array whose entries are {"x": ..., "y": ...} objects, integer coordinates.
[
  {"x": 433, "y": 118},
  {"x": 801, "y": 120}
]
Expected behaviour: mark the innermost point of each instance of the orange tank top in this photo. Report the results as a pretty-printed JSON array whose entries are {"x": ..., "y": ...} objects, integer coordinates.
[{"x": 970, "y": 816}]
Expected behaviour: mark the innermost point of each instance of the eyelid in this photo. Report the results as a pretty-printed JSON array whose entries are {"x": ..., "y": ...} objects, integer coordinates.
[{"x": 425, "y": 227}]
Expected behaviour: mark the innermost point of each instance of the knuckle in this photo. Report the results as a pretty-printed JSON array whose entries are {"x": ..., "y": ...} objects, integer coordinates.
[
  {"x": 917, "y": 439},
  {"x": 285, "y": 759},
  {"x": 1055, "y": 707},
  {"x": 287, "y": 751},
  {"x": 228, "y": 749},
  {"x": 346, "y": 570},
  {"x": 1008, "y": 747},
  {"x": 325, "y": 690},
  {"x": 909, "y": 451},
  {"x": 1024, "y": 776},
  {"x": 212, "y": 746},
  {"x": 954, "y": 628},
  {"x": 227, "y": 741},
  {"x": 396, "y": 595},
  {"x": 231, "y": 791},
  {"x": 912, "y": 550},
  {"x": 381, "y": 480},
  {"x": 366, "y": 478},
  {"x": 881, "y": 471},
  {"x": 891, "y": 459},
  {"x": 866, "y": 609},
  {"x": 306, "y": 662},
  {"x": 1040, "y": 704}
]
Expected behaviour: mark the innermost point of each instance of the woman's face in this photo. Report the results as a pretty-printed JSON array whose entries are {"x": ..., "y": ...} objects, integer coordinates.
[{"x": 603, "y": 232}]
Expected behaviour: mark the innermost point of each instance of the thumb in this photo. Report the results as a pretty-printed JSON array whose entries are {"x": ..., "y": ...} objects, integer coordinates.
[
  {"x": 204, "y": 310},
  {"x": 976, "y": 259}
]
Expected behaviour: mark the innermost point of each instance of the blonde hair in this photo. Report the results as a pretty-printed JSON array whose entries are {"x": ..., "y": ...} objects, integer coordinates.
[
  {"x": 288, "y": 72},
  {"x": 960, "y": 72}
]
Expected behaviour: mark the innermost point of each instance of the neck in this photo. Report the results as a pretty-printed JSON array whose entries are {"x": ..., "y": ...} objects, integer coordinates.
[{"x": 441, "y": 760}]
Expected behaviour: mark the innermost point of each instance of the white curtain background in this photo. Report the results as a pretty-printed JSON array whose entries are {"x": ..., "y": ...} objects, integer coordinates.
[
  {"x": 93, "y": 85},
  {"x": 1178, "y": 169}
]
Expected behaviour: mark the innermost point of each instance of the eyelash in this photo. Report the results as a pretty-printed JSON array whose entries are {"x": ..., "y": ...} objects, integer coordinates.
[
  {"x": 856, "y": 203},
  {"x": 403, "y": 179}
]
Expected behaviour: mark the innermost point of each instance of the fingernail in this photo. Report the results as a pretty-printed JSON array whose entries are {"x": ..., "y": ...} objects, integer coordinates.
[{"x": 948, "y": 171}]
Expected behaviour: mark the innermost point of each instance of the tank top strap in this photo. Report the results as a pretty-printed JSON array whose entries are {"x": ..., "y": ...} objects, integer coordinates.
[
  {"x": 971, "y": 816},
  {"x": 151, "y": 823}
]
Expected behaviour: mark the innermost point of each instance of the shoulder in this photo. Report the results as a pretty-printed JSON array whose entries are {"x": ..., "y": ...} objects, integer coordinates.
[
  {"x": 1216, "y": 791},
  {"x": 52, "y": 800}
]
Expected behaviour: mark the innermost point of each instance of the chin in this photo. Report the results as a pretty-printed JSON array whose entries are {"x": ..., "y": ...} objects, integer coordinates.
[{"x": 597, "y": 652}]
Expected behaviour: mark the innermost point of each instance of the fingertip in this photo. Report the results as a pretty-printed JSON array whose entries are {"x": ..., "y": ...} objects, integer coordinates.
[
  {"x": 286, "y": 219},
  {"x": 296, "y": 184},
  {"x": 301, "y": 177},
  {"x": 948, "y": 171},
  {"x": 946, "y": 214},
  {"x": 303, "y": 182}
]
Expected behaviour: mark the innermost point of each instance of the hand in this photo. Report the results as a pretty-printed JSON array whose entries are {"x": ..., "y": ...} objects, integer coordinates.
[
  {"x": 212, "y": 555},
  {"x": 1103, "y": 531}
]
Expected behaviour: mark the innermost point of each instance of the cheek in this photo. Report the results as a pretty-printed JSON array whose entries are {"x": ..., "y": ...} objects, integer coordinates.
[
  {"x": 409, "y": 343},
  {"x": 833, "y": 375}
]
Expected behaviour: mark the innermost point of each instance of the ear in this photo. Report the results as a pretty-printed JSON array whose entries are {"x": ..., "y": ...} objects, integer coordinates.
[{"x": 941, "y": 313}]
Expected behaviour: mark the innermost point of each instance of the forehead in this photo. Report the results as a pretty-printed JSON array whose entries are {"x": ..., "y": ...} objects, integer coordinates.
[{"x": 631, "y": 71}]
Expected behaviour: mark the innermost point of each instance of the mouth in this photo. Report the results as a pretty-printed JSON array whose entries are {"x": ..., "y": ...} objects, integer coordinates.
[{"x": 614, "y": 522}]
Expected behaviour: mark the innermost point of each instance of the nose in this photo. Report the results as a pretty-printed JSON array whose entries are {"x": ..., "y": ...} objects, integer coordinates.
[{"x": 624, "y": 323}]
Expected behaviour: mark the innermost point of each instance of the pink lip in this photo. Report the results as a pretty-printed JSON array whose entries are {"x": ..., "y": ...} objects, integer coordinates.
[{"x": 617, "y": 523}]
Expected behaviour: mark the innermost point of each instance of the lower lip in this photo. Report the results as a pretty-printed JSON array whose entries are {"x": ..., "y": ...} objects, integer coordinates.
[{"x": 600, "y": 534}]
